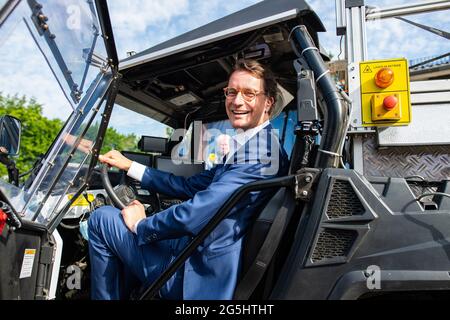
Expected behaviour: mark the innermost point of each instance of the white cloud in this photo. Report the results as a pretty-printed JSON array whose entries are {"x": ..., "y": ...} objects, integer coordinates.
[
  {"x": 24, "y": 71},
  {"x": 202, "y": 12},
  {"x": 139, "y": 15},
  {"x": 392, "y": 37},
  {"x": 147, "y": 23},
  {"x": 143, "y": 23},
  {"x": 389, "y": 37}
]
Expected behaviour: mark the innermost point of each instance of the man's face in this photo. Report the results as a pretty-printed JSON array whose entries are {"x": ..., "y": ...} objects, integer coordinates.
[{"x": 247, "y": 114}]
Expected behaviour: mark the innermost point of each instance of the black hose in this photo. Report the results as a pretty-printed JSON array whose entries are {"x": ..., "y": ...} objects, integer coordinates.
[{"x": 335, "y": 112}]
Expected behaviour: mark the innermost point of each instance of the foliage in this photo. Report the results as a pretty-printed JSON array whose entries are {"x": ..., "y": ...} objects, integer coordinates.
[
  {"x": 117, "y": 141},
  {"x": 38, "y": 132},
  {"x": 169, "y": 132}
]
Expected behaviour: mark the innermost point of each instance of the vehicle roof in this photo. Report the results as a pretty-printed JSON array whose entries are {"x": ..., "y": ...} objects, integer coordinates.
[{"x": 254, "y": 16}]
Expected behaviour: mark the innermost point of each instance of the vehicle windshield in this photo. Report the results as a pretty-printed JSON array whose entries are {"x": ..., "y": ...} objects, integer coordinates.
[
  {"x": 67, "y": 32},
  {"x": 15, "y": 195},
  {"x": 53, "y": 68},
  {"x": 65, "y": 169}
]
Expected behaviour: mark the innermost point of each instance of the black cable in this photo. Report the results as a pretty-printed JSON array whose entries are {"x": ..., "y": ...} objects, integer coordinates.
[
  {"x": 441, "y": 194},
  {"x": 66, "y": 226},
  {"x": 415, "y": 177}
]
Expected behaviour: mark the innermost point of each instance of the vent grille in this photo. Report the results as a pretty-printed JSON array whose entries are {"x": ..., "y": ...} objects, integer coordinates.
[
  {"x": 333, "y": 243},
  {"x": 344, "y": 202}
]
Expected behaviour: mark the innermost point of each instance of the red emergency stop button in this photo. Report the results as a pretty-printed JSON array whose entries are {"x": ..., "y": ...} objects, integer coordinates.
[
  {"x": 390, "y": 102},
  {"x": 384, "y": 77}
]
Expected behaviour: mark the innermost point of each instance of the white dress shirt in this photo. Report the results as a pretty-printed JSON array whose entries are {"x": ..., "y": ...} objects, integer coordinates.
[{"x": 242, "y": 137}]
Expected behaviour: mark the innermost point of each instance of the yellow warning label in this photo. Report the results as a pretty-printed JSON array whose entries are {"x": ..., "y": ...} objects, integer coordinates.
[
  {"x": 30, "y": 251},
  {"x": 81, "y": 201},
  {"x": 368, "y": 69}
]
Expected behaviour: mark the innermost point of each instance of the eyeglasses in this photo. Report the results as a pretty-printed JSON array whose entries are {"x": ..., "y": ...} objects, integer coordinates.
[{"x": 247, "y": 94}]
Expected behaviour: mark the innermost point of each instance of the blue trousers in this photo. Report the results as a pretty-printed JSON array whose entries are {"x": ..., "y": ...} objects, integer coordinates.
[{"x": 119, "y": 265}]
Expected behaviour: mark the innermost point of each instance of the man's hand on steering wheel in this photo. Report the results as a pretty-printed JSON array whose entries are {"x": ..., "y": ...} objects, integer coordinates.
[
  {"x": 115, "y": 159},
  {"x": 127, "y": 193}
]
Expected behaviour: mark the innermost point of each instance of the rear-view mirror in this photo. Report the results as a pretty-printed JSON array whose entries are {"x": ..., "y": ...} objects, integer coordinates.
[{"x": 10, "y": 133}]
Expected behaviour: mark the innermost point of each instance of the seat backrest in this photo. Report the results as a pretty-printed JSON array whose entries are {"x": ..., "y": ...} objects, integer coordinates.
[{"x": 258, "y": 231}]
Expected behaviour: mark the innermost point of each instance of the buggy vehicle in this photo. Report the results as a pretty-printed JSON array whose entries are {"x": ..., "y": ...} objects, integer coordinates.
[{"x": 363, "y": 212}]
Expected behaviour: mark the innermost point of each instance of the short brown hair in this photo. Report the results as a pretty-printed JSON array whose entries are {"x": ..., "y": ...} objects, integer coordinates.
[{"x": 261, "y": 72}]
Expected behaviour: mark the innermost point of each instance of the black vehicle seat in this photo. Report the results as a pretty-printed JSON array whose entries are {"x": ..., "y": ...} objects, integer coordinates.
[{"x": 259, "y": 230}]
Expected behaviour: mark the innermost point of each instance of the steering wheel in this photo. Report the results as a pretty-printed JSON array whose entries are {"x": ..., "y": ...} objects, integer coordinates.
[
  {"x": 122, "y": 195},
  {"x": 110, "y": 190}
]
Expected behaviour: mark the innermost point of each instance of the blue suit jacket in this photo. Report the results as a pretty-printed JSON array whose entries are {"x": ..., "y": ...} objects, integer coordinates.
[{"x": 212, "y": 271}]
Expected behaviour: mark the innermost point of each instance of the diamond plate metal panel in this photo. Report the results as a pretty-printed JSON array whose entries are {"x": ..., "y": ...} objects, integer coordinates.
[{"x": 429, "y": 162}]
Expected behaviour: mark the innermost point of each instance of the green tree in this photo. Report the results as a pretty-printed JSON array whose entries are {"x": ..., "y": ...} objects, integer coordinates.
[
  {"x": 118, "y": 141},
  {"x": 169, "y": 132},
  {"x": 38, "y": 132}
]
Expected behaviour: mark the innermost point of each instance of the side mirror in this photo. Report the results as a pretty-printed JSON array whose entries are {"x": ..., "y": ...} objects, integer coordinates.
[{"x": 10, "y": 133}]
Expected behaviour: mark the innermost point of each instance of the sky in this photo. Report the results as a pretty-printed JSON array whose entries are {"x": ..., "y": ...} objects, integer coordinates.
[
  {"x": 141, "y": 24},
  {"x": 165, "y": 19}
]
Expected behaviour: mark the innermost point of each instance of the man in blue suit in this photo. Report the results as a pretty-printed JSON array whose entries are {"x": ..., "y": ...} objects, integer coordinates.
[{"x": 127, "y": 247}]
